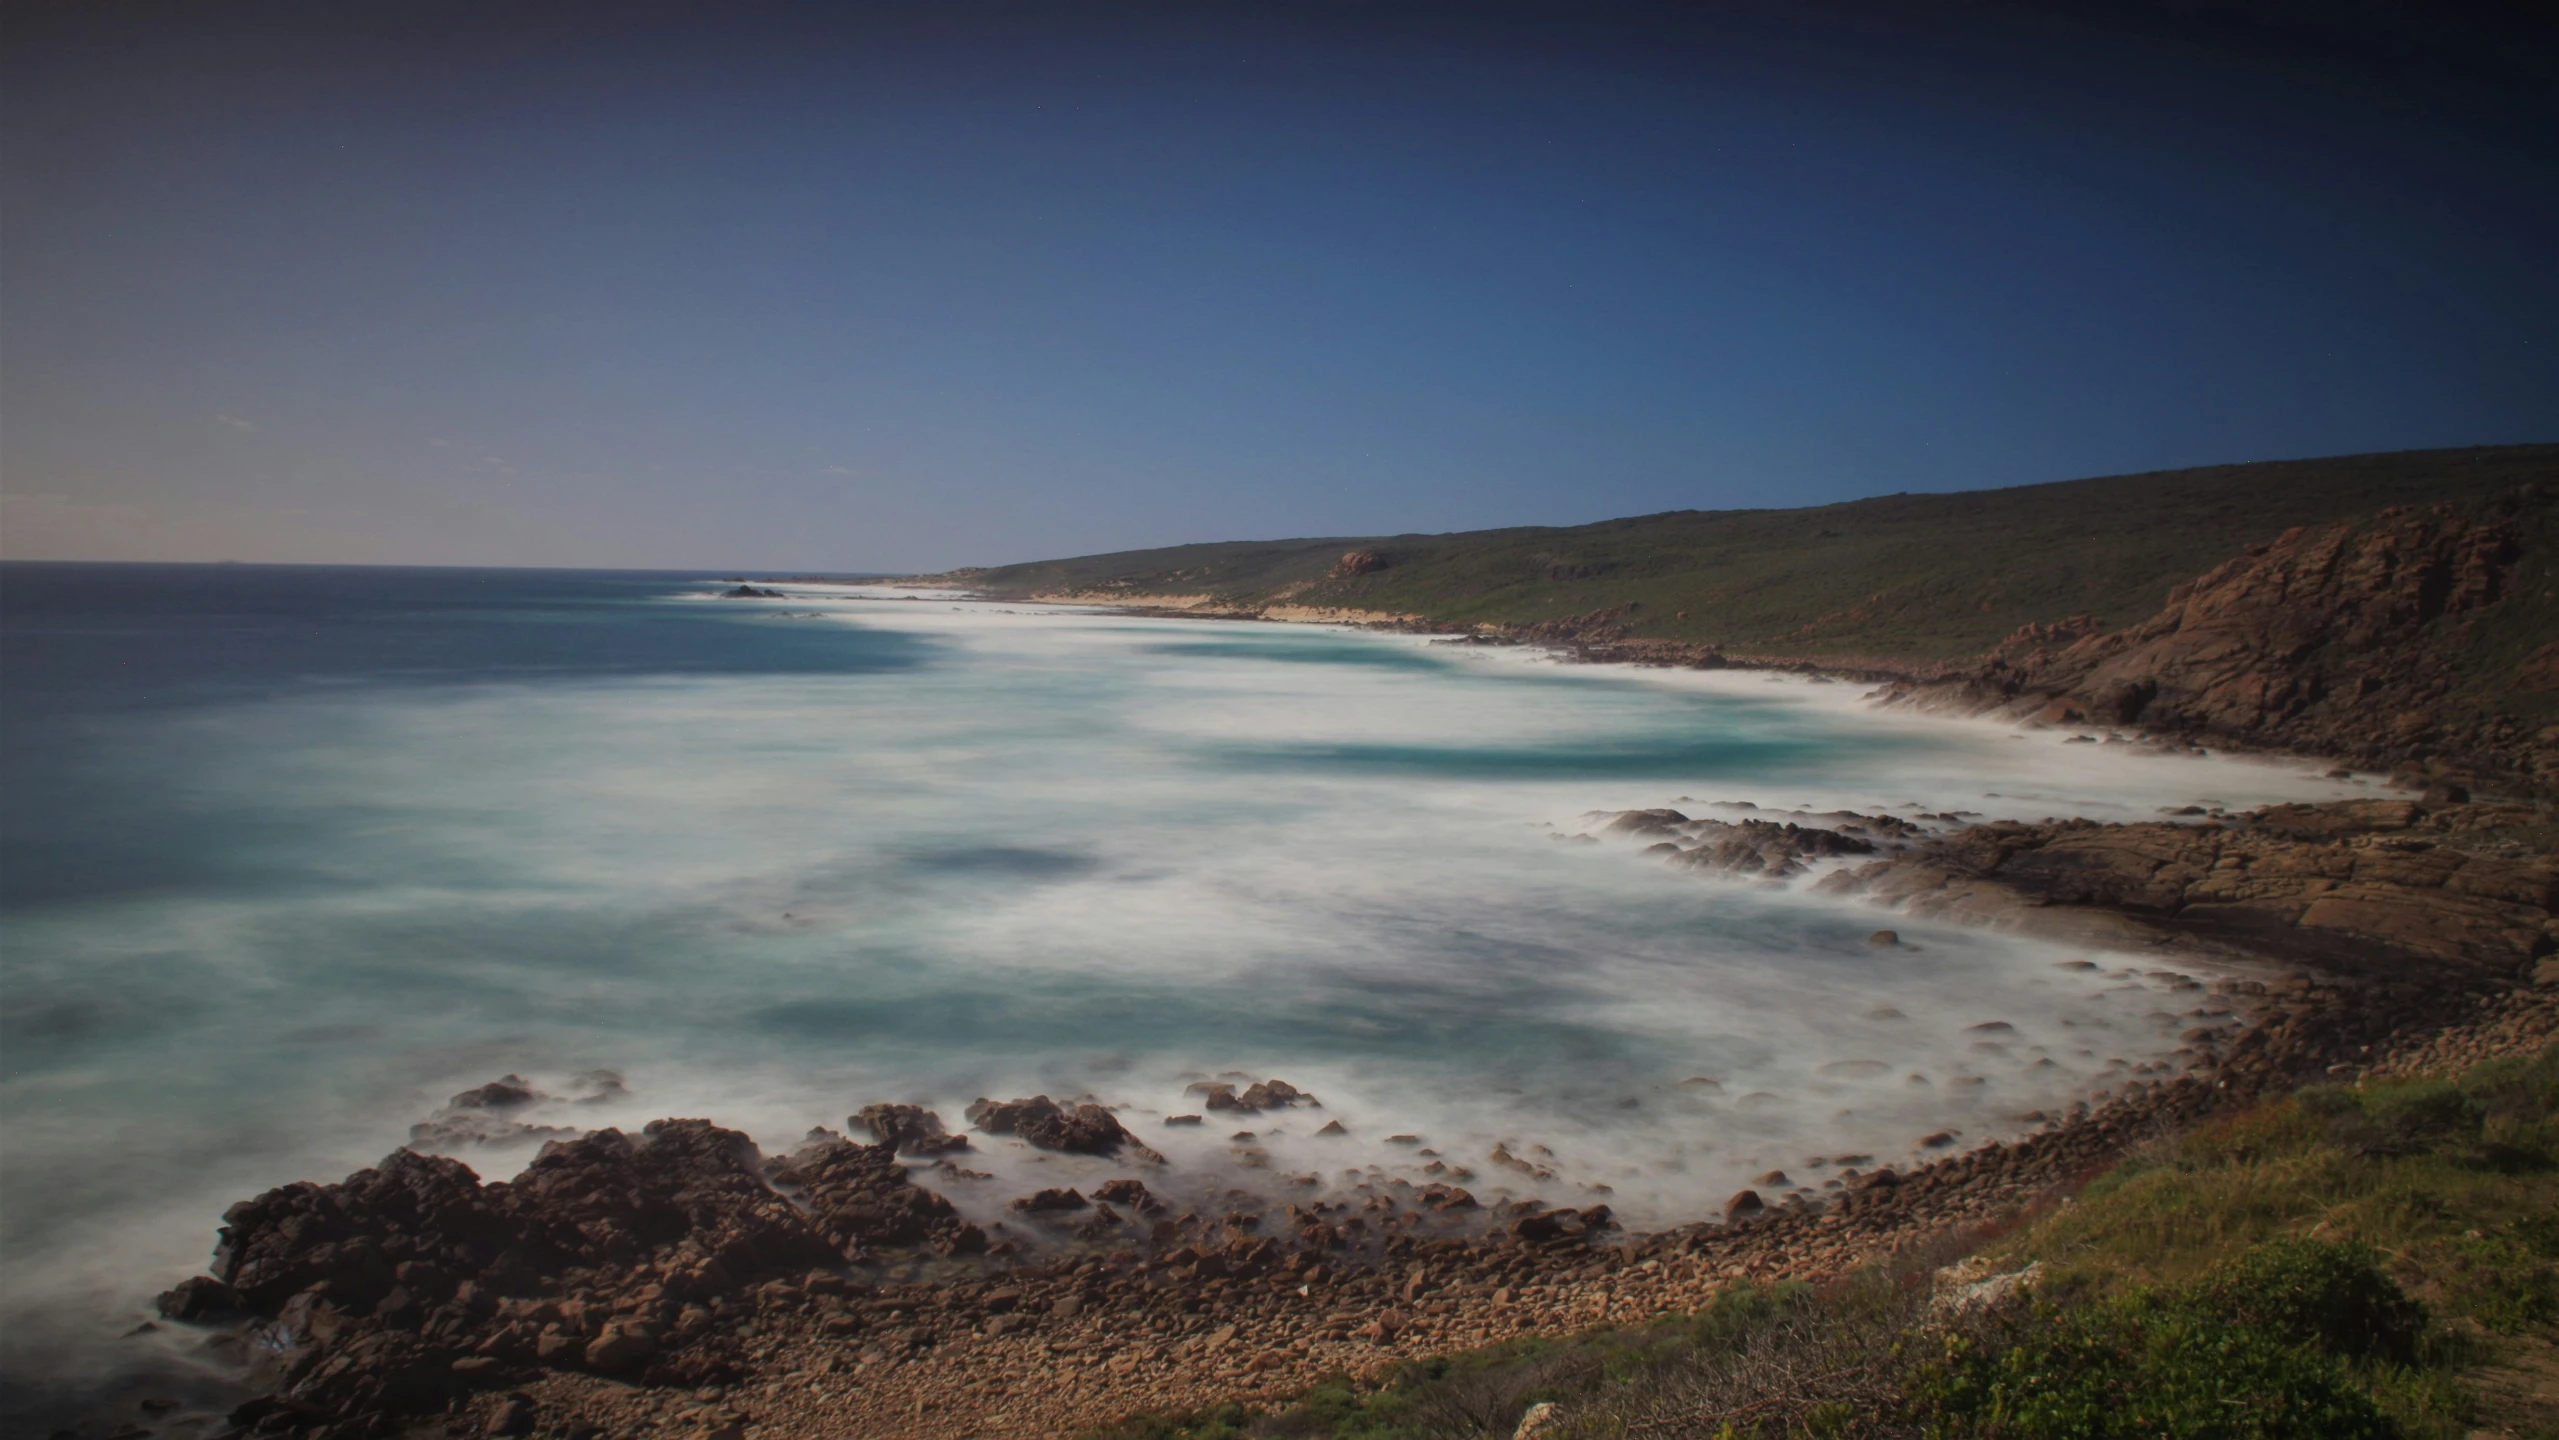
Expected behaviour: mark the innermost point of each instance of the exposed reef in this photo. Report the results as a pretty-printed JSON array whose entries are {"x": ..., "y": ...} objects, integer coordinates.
[{"x": 2357, "y": 885}]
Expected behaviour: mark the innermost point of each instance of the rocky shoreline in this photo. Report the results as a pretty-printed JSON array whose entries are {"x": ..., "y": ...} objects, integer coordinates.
[{"x": 679, "y": 1283}]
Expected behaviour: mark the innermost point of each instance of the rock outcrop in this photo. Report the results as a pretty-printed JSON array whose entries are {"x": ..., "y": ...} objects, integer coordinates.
[
  {"x": 1604, "y": 625},
  {"x": 1088, "y": 1129},
  {"x": 2366, "y": 886},
  {"x": 859, "y": 1198},
  {"x": 1257, "y": 1097},
  {"x": 410, "y": 1287},
  {"x": 2362, "y": 640},
  {"x": 908, "y": 1130},
  {"x": 1768, "y": 849}
]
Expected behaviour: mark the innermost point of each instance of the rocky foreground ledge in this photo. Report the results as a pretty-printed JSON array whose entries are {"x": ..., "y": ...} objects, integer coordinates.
[{"x": 679, "y": 1283}]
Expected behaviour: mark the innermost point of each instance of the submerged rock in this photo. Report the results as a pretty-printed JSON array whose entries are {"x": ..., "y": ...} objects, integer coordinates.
[
  {"x": 1259, "y": 1096},
  {"x": 908, "y": 1130},
  {"x": 1047, "y": 1202},
  {"x": 484, "y": 1116},
  {"x": 1765, "y": 848},
  {"x": 1086, "y": 1130}
]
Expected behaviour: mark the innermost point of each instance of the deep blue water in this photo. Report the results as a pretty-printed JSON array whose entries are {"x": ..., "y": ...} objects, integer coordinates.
[{"x": 84, "y": 644}]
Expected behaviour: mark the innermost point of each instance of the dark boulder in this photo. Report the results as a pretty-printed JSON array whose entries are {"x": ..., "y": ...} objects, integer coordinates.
[
  {"x": 607, "y": 1199},
  {"x": 860, "y": 1199},
  {"x": 348, "y": 1236},
  {"x": 1085, "y": 1130},
  {"x": 1050, "y": 1202},
  {"x": 1130, "y": 1193},
  {"x": 198, "y": 1298}
]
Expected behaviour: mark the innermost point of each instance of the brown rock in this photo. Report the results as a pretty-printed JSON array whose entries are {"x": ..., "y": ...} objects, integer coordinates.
[
  {"x": 1051, "y": 1202},
  {"x": 861, "y": 1200},
  {"x": 1087, "y": 1129},
  {"x": 1130, "y": 1193},
  {"x": 908, "y": 1130},
  {"x": 620, "y": 1349},
  {"x": 2347, "y": 639}
]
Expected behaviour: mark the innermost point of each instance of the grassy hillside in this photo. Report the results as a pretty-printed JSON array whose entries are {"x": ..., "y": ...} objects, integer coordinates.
[{"x": 1911, "y": 577}]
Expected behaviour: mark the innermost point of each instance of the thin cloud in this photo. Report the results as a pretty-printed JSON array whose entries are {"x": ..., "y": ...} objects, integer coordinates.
[{"x": 236, "y": 423}]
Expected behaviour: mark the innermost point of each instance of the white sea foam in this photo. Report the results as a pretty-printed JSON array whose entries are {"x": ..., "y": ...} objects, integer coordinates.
[{"x": 1080, "y": 853}]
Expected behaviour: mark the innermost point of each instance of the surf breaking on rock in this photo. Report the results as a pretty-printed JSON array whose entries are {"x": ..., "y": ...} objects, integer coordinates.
[{"x": 681, "y": 1259}]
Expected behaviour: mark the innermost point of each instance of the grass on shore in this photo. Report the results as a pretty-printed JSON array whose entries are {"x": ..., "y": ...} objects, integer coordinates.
[{"x": 2375, "y": 1261}]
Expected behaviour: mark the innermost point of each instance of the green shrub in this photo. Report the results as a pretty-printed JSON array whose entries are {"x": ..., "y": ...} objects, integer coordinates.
[
  {"x": 2517, "y": 1088},
  {"x": 2304, "y": 1292},
  {"x": 2498, "y": 1280},
  {"x": 2137, "y": 1368},
  {"x": 2539, "y": 1234}
]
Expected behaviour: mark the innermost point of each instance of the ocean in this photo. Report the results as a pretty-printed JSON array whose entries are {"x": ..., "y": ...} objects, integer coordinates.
[{"x": 290, "y": 855}]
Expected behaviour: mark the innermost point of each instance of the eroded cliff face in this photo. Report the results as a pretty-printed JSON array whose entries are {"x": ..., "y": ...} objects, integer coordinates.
[{"x": 2371, "y": 640}]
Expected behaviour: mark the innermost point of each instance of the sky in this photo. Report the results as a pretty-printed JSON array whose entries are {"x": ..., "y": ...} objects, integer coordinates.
[{"x": 898, "y": 288}]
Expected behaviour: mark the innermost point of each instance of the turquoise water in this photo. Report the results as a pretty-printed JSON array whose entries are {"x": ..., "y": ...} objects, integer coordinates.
[{"x": 291, "y": 855}]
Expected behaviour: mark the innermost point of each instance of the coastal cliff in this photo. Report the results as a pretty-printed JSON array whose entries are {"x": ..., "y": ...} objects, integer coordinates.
[{"x": 2384, "y": 641}]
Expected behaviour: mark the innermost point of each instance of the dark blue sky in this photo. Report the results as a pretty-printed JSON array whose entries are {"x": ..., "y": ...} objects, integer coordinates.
[{"x": 886, "y": 288}]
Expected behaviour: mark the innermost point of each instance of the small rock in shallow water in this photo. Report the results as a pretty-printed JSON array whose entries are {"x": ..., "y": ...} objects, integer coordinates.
[
  {"x": 1086, "y": 1130},
  {"x": 908, "y": 1129},
  {"x": 1050, "y": 1201}
]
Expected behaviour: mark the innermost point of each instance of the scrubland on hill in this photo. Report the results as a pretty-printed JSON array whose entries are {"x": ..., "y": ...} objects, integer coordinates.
[{"x": 1915, "y": 578}]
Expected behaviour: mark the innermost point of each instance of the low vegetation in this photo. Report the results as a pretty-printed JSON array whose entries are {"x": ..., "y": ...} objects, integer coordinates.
[
  {"x": 2371, "y": 1261},
  {"x": 1894, "y": 578}
]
